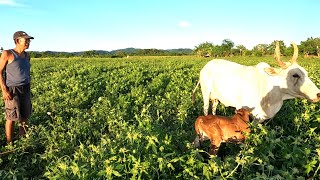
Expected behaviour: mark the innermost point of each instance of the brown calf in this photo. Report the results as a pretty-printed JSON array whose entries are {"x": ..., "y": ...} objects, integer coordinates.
[{"x": 221, "y": 129}]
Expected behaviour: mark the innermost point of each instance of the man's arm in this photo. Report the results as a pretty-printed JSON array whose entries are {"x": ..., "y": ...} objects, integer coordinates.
[{"x": 3, "y": 63}]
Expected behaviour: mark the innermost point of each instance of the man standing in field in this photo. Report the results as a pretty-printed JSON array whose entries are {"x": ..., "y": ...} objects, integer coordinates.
[{"x": 15, "y": 84}]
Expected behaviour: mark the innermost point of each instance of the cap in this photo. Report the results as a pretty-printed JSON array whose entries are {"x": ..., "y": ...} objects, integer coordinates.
[{"x": 21, "y": 34}]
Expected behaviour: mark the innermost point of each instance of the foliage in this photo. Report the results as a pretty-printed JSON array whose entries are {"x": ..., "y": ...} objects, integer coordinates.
[
  {"x": 269, "y": 49},
  {"x": 260, "y": 50},
  {"x": 208, "y": 49},
  {"x": 311, "y": 46},
  {"x": 227, "y": 46},
  {"x": 133, "y": 119},
  {"x": 240, "y": 50},
  {"x": 120, "y": 53},
  {"x": 204, "y": 49}
]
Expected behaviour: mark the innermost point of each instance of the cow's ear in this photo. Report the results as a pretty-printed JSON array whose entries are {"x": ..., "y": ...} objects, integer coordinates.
[{"x": 272, "y": 71}]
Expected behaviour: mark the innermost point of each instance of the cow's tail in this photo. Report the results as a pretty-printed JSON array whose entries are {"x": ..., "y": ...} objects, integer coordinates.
[{"x": 193, "y": 93}]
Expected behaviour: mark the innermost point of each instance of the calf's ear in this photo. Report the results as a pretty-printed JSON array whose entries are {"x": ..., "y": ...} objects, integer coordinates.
[{"x": 272, "y": 71}]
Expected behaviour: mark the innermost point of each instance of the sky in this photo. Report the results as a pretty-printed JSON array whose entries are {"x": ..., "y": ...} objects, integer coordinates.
[{"x": 82, "y": 25}]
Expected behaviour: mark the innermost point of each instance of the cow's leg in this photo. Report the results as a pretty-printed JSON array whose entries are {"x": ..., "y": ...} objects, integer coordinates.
[
  {"x": 215, "y": 103},
  {"x": 206, "y": 102}
]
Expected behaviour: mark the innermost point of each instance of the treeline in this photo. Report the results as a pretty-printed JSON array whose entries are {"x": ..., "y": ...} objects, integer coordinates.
[
  {"x": 113, "y": 54},
  {"x": 310, "y": 47}
]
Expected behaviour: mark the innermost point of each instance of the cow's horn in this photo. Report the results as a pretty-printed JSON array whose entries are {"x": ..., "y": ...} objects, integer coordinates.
[
  {"x": 277, "y": 56},
  {"x": 295, "y": 53}
]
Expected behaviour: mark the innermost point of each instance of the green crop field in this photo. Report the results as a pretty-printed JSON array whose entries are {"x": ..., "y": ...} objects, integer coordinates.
[{"x": 133, "y": 118}]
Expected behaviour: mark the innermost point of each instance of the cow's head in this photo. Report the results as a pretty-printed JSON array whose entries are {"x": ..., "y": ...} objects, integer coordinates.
[{"x": 296, "y": 81}]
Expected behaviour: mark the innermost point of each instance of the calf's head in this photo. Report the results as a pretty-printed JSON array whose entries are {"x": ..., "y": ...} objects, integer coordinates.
[{"x": 243, "y": 114}]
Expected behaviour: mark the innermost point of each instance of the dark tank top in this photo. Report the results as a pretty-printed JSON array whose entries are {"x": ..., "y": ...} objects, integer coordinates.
[{"x": 18, "y": 71}]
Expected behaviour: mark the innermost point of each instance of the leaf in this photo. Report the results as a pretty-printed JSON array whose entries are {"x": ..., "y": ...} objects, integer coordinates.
[
  {"x": 116, "y": 173},
  {"x": 310, "y": 165},
  {"x": 206, "y": 172}
]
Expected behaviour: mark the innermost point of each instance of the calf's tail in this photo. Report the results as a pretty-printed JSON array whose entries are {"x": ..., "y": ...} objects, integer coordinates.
[{"x": 193, "y": 93}]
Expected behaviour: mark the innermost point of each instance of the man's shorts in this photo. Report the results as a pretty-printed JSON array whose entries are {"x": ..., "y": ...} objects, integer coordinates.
[{"x": 19, "y": 107}]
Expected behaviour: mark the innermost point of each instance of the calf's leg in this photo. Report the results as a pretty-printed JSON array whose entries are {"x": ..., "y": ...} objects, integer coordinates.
[
  {"x": 197, "y": 142},
  {"x": 215, "y": 144}
]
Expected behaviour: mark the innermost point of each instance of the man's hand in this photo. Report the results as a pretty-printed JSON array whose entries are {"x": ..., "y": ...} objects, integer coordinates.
[{"x": 6, "y": 95}]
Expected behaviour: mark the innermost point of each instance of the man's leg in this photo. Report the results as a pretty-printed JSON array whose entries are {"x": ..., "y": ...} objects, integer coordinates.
[
  {"x": 23, "y": 127},
  {"x": 25, "y": 109},
  {"x": 9, "y": 130}
]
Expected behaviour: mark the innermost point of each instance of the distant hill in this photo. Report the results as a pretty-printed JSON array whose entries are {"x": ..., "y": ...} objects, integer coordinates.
[
  {"x": 126, "y": 50},
  {"x": 181, "y": 50}
]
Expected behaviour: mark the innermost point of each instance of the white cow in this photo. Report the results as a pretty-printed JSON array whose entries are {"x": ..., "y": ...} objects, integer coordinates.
[{"x": 261, "y": 87}]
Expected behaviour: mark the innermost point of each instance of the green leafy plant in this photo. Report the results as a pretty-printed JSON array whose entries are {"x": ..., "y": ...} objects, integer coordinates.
[{"x": 133, "y": 119}]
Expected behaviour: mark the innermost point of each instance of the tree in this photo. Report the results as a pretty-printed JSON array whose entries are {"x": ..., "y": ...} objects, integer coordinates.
[
  {"x": 47, "y": 54},
  {"x": 309, "y": 47},
  {"x": 271, "y": 47},
  {"x": 260, "y": 49},
  {"x": 64, "y": 55},
  {"x": 288, "y": 51},
  {"x": 217, "y": 51},
  {"x": 121, "y": 54},
  {"x": 204, "y": 49},
  {"x": 227, "y": 46},
  {"x": 91, "y": 53},
  {"x": 34, "y": 54},
  {"x": 241, "y": 49}
]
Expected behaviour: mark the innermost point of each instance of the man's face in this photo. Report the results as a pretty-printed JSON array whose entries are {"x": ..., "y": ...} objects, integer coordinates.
[{"x": 24, "y": 42}]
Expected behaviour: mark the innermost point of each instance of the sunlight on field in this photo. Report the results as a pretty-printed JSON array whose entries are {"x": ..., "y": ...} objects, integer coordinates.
[{"x": 133, "y": 118}]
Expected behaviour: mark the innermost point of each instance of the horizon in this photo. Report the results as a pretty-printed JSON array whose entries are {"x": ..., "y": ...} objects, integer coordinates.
[
  {"x": 105, "y": 50},
  {"x": 74, "y": 26}
]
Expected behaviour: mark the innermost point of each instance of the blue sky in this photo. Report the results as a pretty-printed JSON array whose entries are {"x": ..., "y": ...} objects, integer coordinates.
[{"x": 79, "y": 25}]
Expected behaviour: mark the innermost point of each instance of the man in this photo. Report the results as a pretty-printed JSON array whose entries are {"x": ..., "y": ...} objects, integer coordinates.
[{"x": 15, "y": 84}]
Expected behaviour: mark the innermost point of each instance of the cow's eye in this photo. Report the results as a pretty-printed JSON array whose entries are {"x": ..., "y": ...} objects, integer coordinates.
[{"x": 296, "y": 75}]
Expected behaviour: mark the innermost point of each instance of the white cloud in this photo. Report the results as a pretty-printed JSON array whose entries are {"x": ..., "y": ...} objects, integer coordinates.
[
  {"x": 184, "y": 24},
  {"x": 10, "y": 3}
]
